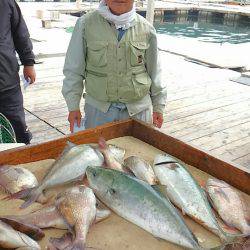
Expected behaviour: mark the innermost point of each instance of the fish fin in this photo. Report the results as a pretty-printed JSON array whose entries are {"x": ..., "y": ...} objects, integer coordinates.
[
  {"x": 161, "y": 191},
  {"x": 159, "y": 239},
  {"x": 29, "y": 248},
  {"x": 183, "y": 211},
  {"x": 85, "y": 181},
  {"x": 159, "y": 187},
  {"x": 220, "y": 247},
  {"x": 171, "y": 165},
  {"x": 62, "y": 242},
  {"x": 164, "y": 163},
  {"x": 102, "y": 214},
  {"x": 69, "y": 145},
  {"x": 226, "y": 227},
  {"x": 222, "y": 194},
  {"x": 31, "y": 194},
  {"x": 76, "y": 245},
  {"x": 50, "y": 246},
  {"x": 18, "y": 224},
  {"x": 20, "y": 194}
]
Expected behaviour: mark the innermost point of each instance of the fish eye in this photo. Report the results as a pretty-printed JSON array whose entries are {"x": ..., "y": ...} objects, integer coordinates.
[
  {"x": 112, "y": 191},
  {"x": 94, "y": 173}
]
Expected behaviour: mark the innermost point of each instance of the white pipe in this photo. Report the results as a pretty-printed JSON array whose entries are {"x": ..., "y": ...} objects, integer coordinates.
[
  {"x": 150, "y": 11},
  {"x": 78, "y": 4}
]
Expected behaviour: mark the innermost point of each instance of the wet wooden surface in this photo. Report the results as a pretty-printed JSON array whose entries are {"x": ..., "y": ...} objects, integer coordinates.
[
  {"x": 204, "y": 107},
  {"x": 116, "y": 233}
]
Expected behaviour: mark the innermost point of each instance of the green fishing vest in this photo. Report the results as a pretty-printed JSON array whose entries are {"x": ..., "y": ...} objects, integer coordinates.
[{"x": 115, "y": 71}]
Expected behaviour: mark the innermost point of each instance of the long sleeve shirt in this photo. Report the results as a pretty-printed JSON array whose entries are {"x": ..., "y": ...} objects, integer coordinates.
[
  {"x": 14, "y": 37},
  {"x": 74, "y": 70}
]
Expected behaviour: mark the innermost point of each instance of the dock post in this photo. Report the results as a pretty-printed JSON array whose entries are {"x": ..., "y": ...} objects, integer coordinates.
[
  {"x": 78, "y": 4},
  {"x": 150, "y": 11}
]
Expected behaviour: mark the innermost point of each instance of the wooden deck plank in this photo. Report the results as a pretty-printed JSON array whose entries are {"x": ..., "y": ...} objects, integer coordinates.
[
  {"x": 206, "y": 117},
  {"x": 206, "y": 106},
  {"x": 203, "y": 107},
  {"x": 224, "y": 137},
  {"x": 237, "y": 152},
  {"x": 195, "y": 132},
  {"x": 203, "y": 96},
  {"x": 244, "y": 161},
  {"x": 233, "y": 146}
]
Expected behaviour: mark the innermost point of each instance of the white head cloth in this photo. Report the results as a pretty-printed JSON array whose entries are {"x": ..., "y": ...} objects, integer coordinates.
[{"x": 123, "y": 21}]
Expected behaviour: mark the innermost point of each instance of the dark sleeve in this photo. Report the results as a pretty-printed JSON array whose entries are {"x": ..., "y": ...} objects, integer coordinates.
[{"x": 21, "y": 36}]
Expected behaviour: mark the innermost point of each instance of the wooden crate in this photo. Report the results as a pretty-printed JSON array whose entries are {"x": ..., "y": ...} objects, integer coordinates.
[{"x": 137, "y": 138}]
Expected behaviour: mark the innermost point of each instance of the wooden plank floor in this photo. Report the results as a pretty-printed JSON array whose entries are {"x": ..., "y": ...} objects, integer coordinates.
[{"x": 204, "y": 107}]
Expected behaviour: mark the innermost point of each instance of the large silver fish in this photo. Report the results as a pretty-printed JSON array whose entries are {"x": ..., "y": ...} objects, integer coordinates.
[
  {"x": 183, "y": 190},
  {"x": 77, "y": 206},
  {"x": 70, "y": 166},
  {"x": 229, "y": 204},
  {"x": 141, "y": 169},
  {"x": 12, "y": 239},
  {"x": 137, "y": 202}
]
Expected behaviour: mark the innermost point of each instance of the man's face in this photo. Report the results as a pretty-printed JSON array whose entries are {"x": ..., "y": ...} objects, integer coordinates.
[{"x": 119, "y": 7}]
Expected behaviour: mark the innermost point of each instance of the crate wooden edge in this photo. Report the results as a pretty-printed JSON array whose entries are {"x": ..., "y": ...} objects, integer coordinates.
[{"x": 232, "y": 173}]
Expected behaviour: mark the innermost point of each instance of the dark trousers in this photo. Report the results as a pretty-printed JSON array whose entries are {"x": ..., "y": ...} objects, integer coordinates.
[{"x": 11, "y": 106}]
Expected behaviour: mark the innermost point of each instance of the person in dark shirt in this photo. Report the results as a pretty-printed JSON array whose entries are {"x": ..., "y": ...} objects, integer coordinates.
[{"x": 14, "y": 37}]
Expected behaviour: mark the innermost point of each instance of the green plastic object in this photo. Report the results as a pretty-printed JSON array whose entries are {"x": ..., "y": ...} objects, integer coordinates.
[{"x": 7, "y": 134}]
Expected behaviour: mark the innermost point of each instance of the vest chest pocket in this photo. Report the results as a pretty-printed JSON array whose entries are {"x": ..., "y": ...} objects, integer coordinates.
[
  {"x": 97, "y": 54},
  {"x": 137, "y": 53},
  {"x": 142, "y": 83}
]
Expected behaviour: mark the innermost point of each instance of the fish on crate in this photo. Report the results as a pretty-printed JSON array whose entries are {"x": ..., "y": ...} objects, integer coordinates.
[
  {"x": 13, "y": 239},
  {"x": 77, "y": 205},
  {"x": 128, "y": 196},
  {"x": 109, "y": 157},
  {"x": 141, "y": 169},
  {"x": 46, "y": 217},
  {"x": 14, "y": 179},
  {"x": 178, "y": 185},
  {"x": 70, "y": 166},
  {"x": 117, "y": 152},
  {"x": 230, "y": 204}
]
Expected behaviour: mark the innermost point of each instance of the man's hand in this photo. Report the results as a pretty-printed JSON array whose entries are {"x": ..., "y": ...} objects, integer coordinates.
[
  {"x": 29, "y": 73},
  {"x": 157, "y": 119},
  {"x": 74, "y": 116}
]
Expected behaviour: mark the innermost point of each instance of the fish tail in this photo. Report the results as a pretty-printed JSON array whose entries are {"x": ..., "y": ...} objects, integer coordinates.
[
  {"x": 19, "y": 195},
  {"x": 77, "y": 245},
  {"x": 50, "y": 246},
  {"x": 61, "y": 243},
  {"x": 233, "y": 245},
  {"x": 31, "y": 194},
  {"x": 20, "y": 225},
  {"x": 221, "y": 247}
]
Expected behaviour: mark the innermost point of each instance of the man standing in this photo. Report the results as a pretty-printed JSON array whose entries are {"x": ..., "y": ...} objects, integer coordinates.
[
  {"x": 14, "y": 36},
  {"x": 115, "y": 51}
]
